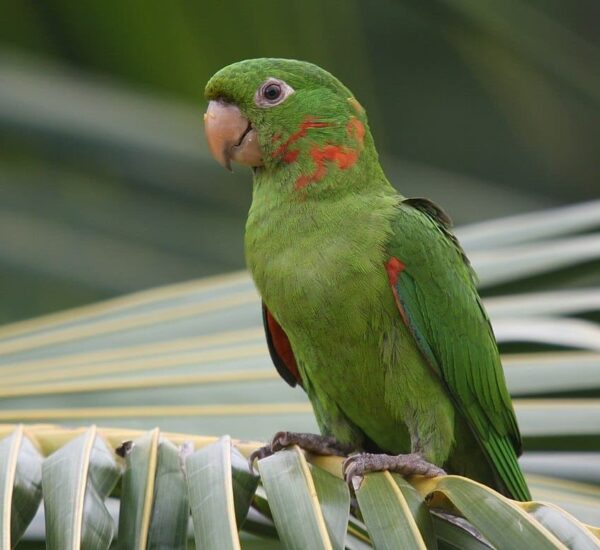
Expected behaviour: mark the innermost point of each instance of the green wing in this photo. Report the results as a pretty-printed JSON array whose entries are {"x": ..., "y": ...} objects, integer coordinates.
[{"x": 435, "y": 290}]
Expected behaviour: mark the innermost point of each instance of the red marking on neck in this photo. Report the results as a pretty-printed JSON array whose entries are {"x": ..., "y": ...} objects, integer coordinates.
[
  {"x": 291, "y": 156},
  {"x": 356, "y": 130},
  {"x": 283, "y": 149},
  {"x": 276, "y": 137},
  {"x": 343, "y": 157}
]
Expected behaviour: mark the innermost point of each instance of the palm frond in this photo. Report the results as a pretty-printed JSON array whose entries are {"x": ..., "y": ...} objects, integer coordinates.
[{"x": 191, "y": 358}]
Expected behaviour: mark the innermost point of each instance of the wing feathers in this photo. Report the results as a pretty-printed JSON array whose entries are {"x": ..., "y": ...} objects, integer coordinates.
[{"x": 436, "y": 296}]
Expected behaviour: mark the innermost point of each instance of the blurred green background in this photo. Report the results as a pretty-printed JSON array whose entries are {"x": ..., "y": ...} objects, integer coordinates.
[{"x": 106, "y": 185}]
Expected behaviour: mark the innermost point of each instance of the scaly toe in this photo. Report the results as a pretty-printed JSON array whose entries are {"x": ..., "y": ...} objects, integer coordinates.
[
  {"x": 411, "y": 464},
  {"x": 417, "y": 465},
  {"x": 280, "y": 441}
]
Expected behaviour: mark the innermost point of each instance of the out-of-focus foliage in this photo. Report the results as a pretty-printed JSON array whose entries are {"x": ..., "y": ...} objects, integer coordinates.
[
  {"x": 105, "y": 183},
  {"x": 433, "y": 71}
]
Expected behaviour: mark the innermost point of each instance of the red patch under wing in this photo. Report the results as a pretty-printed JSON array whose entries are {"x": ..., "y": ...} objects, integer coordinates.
[
  {"x": 281, "y": 350},
  {"x": 394, "y": 268}
]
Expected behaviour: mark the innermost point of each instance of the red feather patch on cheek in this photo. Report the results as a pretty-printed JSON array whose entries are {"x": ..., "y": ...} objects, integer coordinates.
[
  {"x": 291, "y": 156},
  {"x": 344, "y": 157},
  {"x": 283, "y": 149}
]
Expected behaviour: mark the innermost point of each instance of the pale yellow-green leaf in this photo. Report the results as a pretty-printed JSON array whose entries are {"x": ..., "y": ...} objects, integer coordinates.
[
  {"x": 334, "y": 498},
  {"x": 387, "y": 514},
  {"x": 457, "y": 533},
  {"x": 244, "y": 484},
  {"x": 418, "y": 509},
  {"x": 20, "y": 486},
  {"x": 154, "y": 502},
  {"x": 293, "y": 501},
  {"x": 171, "y": 511},
  {"x": 75, "y": 480},
  {"x": 210, "y": 489},
  {"x": 501, "y": 521},
  {"x": 137, "y": 492},
  {"x": 563, "y": 526}
]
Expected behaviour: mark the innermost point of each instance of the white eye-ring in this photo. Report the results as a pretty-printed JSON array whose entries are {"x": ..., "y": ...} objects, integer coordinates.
[{"x": 272, "y": 92}]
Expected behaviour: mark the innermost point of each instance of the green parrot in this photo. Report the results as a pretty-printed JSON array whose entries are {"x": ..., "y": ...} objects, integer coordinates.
[{"x": 369, "y": 302}]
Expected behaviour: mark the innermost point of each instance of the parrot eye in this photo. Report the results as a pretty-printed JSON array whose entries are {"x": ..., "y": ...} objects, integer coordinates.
[{"x": 272, "y": 92}]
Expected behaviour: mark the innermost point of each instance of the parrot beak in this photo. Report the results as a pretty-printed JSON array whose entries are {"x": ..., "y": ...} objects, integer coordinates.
[{"x": 230, "y": 135}]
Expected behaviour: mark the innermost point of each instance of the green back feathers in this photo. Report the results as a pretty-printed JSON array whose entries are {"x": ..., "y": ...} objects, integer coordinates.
[{"x": 437, "y": 293}]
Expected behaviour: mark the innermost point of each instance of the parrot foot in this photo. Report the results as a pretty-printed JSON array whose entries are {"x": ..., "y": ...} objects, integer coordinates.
[
  {"x": 357, "y": 465},
  {"x": 313, "y": 443}
]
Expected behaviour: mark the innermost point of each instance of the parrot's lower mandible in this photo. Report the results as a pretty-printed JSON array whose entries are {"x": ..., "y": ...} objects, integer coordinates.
[{"x": 369, "y": 302}]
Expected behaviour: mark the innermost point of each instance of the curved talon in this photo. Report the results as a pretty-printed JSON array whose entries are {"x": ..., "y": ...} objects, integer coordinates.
[
  {"x": 348, "y": 469},
  {"x": 280, "y": 441},
  {"x": 259, "y": 454}
]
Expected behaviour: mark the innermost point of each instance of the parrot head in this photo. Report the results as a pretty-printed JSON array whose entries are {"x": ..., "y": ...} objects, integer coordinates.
[{"x": 285, "y": 115}]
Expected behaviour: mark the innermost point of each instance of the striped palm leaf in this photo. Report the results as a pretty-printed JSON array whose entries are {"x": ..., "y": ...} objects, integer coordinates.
[{"x": 191, "y": 358}]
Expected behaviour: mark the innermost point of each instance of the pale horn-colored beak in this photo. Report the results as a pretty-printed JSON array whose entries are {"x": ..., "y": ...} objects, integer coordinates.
[{"x": 230, "y": 135}]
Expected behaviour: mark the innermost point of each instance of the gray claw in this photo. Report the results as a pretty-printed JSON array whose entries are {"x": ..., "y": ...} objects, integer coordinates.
[
  {"x": 280, "y": 441},
  {"x": 350, "y": 469},
  {"x": 259, "y": 454}
]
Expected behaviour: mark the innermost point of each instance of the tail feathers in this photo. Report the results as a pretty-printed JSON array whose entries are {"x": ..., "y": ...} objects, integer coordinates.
[{"x": 504, "y": 461}]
